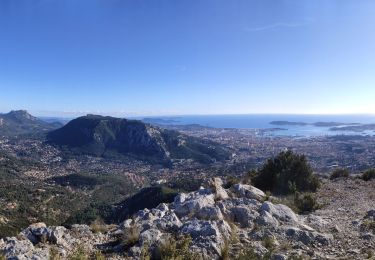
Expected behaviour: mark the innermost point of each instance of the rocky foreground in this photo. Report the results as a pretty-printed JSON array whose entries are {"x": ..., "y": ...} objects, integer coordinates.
[{"x": 222, "y": 223}]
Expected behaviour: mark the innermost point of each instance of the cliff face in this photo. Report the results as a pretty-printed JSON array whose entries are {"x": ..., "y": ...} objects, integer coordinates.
[
  {"x": 100, "y": 136},
  {"x": 215, "y": 220}
]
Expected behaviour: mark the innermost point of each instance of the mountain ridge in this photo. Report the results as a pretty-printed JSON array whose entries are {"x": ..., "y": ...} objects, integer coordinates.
[
  {"x": 110, "y": 136},
  {"x": 20, "y": 122}
]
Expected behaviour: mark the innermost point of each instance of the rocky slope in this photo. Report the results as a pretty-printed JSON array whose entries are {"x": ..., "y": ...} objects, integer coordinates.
[
  {"x": 237, "y": 220},
  {"x": 109, "y": 136}
]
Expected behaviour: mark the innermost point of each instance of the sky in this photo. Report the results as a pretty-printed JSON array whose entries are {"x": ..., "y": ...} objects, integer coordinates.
[{"x": 176, "y": 57}]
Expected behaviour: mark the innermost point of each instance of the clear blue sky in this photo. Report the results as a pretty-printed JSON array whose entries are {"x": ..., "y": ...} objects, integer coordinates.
[{"x": 164, "y": 57}]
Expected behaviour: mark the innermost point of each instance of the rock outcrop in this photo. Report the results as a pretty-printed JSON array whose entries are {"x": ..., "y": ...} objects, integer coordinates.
[{"x": 214, "y": 218}]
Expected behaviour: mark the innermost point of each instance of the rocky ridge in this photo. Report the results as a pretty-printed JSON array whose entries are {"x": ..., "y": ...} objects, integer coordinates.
[{"x": 236, "y": 219}]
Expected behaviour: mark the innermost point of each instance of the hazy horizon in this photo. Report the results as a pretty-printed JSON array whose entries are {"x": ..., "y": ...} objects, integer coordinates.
[{"x": 70, "y": 115}]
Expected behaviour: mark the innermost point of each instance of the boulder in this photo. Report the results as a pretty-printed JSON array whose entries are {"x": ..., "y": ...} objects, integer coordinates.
[
  {"x": 169, "y": 222},
  {"x": 189, "y": 204},
  {"x": 208, "y": 236},
  {"x": 126, "y": 224},
  {"x": 279, "y": 211},
  {"x": 244, "y": 215},
  {"x": 226, "y": 205},
  {"x": 60, "y": 236},
  {"x": 17, "y": 249},
  {"x": 150, "y": 237},
  {"x": 266, "y": 219},
  {"x": 308, "y": 237},
  {"x": 37, "y": 232},
  {"x": 82, "y": 230},
  {"x": 248, "y": 191},
  {"x": 316, "y": 221},
  {"x": 209, "y": 213}
]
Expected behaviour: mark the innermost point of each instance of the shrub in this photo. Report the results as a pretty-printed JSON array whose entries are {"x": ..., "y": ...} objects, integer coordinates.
[
  {"x": 339, "y": 173},
  {"x": 99, "y": 256},
  {"x": 285, "y": 174},
  {"x": 248, "y": 254},
  {"x": 53, "y": 254},
  {"x": 368, "y": 175},
  {"x": 98, "y": 226},
  {"x": 368, "y": 225},
  {"x": 269, "y": 243},
  {"x": 131, "y": 237},
  {"x": 79, "y": 254},
  {"x": 224, "y": 254},
  {"x": 305, "y": 203},
  {"x": 176, "y": 249},
  {"x": 231, "y": 181},
  {"x": 145, "y": 254}
]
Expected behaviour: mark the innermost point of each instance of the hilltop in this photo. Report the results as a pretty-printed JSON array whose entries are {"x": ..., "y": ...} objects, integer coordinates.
[
  {"x": 218, "y": 222},
  {"x": 20, "y": 122},
  {"x": 113, "y": 137}
]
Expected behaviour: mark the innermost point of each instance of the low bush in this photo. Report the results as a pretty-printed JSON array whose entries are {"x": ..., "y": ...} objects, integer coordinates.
[
  {"x": 339, "y": 173},
  {"x": 99, "y": 256},
  {"x": 305, "y": 203},
  {"x": 368, "y": 175},
  {"x": 231, "y": 181},
  {"x": 368, "y": 225},
  {"x": 79, "y": 254},
  {"x": 130, "y": 237},
  {"x": 248, "y": 254},
  {"x": 269, "y": 243},
  {"x": 176, "y": 249},
  {"x": 285, "y": 174},
  {"x": 98, "y": 226}
]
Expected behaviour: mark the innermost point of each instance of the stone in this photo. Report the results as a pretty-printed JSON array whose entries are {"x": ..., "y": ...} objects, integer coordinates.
[
  {"x": 150, "y": 237},
  {"x": 279, "y": 211},
  {"x": 371, "y": 214},
  {"x": 208, "y": 236},
  {"x": 278, "y": 257},
  {"x": 169, "y": 222},
  {"x": 367, "y": 236},
  {"x": 60, "y": 236},
  {"x": 209, "y": 213},
  {"x": 316, "y": 221},
  {"x": 266, "y": 219},
  {"x": 126, "y": 224},
  {"x": 336, "y": 229},
  {"x": 190, "y": 204},
  {"x": 17, "y": 249},
  {"x": 83, "y": 230},
  {"x": 244, "y": 215},
  {"x": 248, "y": 191},
  {"x": 37, "y": 232},
  {"x": 307, "y": 237}
]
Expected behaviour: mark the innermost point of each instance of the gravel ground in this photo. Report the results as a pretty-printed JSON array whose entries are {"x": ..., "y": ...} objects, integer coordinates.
[{"x": 346, "y": 203}]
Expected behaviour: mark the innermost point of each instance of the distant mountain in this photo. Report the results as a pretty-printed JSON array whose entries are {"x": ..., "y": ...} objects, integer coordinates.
[
  {"x": 20, "y": 122},
  {"x": 109, "y": 136},
  {"x": 159, "y": 121},
  {"x": 288, "y": 123}
]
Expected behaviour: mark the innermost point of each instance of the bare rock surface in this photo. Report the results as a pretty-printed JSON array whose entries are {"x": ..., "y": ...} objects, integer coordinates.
[{"x": 216, "y": 218}]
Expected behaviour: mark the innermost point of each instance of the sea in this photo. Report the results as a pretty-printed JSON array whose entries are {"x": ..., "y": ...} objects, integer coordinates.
[{"x": 263, "y": 122}]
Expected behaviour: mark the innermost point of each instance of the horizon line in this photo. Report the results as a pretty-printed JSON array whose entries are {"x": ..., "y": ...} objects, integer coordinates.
[{"x": 133, "y": 115}]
